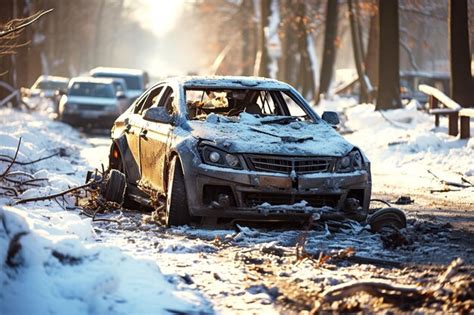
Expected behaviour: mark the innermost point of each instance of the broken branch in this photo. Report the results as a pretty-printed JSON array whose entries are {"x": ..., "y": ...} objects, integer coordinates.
[
  {"x": 54, "y": 195},
  {"x": 22, "y": 26},
  {"x": 13, "y": 160},
  {"x": 5, "y": 159}
]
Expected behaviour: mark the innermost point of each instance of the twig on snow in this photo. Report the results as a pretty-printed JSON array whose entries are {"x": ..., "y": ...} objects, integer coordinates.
[
  {"x": 5, "y": 158},
  {"x": 70, "y": 190},
  {"x": 13, "y": 160}
]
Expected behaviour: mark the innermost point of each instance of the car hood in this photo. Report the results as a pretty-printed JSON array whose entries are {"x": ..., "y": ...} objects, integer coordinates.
[
  {"x": 296, "y": 138},
  {"x": 91, "y": 100}
]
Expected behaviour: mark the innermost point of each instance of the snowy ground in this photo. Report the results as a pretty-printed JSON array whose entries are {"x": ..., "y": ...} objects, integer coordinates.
[{"x": 68, "y": 264}]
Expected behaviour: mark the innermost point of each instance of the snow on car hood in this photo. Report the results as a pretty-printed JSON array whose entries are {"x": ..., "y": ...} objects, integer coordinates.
[{"x": 249, "y": 135}]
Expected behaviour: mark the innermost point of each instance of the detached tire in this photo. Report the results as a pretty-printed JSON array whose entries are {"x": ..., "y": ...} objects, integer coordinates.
[
  {"x": 115, "y": 187},
  {"x": 177, "y": 212},
  {"x": 387, "y": 218}
]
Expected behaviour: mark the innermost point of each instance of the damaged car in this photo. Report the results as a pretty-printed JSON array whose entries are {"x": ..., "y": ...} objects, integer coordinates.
[{"x": 235, "y": 148}]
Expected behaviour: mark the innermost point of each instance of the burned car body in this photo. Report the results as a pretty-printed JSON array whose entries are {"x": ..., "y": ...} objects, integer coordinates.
[{"x": 237, "y": 148}]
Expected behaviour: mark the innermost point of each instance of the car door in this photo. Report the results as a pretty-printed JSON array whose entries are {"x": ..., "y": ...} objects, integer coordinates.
[
  {"x": 154, "y": 146},
  {"x": 133, "y": 127}
]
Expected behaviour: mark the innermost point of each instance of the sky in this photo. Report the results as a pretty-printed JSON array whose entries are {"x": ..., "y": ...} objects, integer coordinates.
[{"x": 158, "y": 16}]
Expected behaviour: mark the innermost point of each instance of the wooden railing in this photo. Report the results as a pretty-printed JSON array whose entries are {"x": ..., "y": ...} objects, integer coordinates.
[{"x": 441, "y": 105}]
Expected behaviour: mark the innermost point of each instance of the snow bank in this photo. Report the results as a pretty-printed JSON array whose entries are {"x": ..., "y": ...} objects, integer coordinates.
[
  {"x": 50, "y": 260},
  {"x": 403, "y": 145}
]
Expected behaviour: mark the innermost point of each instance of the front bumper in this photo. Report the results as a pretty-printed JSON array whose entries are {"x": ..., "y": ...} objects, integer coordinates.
[{"x": 208, "y": 185}]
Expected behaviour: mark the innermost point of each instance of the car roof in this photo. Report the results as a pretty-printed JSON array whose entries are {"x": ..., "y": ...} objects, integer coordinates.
[
  {"x": 126, "y": 71},
  {"x": 91, "y": 80},
  {"x": 226, "y": 82},
  {"x": 52, "y": 78}
]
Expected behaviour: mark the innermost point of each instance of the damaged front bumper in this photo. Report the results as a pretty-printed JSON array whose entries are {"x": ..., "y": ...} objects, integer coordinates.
[{"x": 252, "y": 195}]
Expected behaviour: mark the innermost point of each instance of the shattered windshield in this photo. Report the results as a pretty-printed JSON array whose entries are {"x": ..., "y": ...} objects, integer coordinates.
[{"x": 231, "y": 103}]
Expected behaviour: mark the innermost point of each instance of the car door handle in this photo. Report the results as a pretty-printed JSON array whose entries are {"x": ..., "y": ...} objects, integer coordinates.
[
  {"x": 127, "y": 129},
  {"x": 143, "y": 134}
]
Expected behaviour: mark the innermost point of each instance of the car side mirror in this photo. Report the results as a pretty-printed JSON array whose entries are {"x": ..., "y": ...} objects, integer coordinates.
[
  {"x": 331, "y": 118},
  {"x": 120, "y": 95},
  {"x": 158, "y": 114},
  {"x": 61, "y": 92}
]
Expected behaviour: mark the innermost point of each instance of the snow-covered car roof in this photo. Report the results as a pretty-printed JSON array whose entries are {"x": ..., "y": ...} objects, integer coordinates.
[
  {"x": 91, "y": 80},
  {"x": 126, "y": 71},
  {"x": 227, "y": 82},
  {"x": 52, "y": 78}
]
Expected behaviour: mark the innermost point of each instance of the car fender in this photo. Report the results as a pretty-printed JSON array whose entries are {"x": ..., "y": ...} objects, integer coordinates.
[{"x": 131, "y": 168}]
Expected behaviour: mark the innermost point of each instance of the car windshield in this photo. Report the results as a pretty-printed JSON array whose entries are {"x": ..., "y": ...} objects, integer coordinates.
[
  {"x": 51, "y": 85},
  {"x": 92, "y": 89},
  {"x": 132, "y": 82},
  {"x": 232, "y": 102}
]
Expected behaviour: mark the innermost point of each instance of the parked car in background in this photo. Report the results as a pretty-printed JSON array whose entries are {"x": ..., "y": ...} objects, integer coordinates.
[
  {"x": 47, "y": 86},
  {"x": 91, "y": 101},
  {"x": 236, "y": 148},
  {"x": 135, "y": 79},
  {"x": 121, "y": 89}
]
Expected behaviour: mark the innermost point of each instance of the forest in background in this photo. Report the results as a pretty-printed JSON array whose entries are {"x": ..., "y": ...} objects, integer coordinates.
[{"x": 296, "y": 41}]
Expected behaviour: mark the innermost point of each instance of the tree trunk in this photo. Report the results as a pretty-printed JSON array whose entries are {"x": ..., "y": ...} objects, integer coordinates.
[
  {"x": 462, "y": 86},
  {"x": 372, "y": 56},
  {"x": 247, "y": 53},
  {"x": 263, "y": 52},
  {"x": 305, "y": 73},
  {"x": 358, "y": 54},
  {"x": 329, "y": 50},
  {"x": 388, "y": 96}
]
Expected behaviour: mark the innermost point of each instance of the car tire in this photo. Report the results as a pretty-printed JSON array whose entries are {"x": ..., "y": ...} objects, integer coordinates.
[
  {"x": 115, "y": 187},
  {"x": 127, "y": 202},
  {"x": 387, "y": 218},
  {"x": 177, "y": 211}
]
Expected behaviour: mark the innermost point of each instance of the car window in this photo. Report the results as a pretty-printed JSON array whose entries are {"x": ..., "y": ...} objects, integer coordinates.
[
  {"x": 265, "y": 102},
  {"x": 167, "y": 100},
  {"x": 92, "y": 89},
  {"x": 133, "y": 82},
  {"x": 293, "y": 108},
  {"x": 147, "y": 101}
]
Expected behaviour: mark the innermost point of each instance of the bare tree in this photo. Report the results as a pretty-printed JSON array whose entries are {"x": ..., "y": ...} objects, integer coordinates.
[
  {"x": 388, "y": 95},
  {"x": 329, "y": 50},
  {"x": 462, "y": 87},
  {"x": 357, "y": 46}
]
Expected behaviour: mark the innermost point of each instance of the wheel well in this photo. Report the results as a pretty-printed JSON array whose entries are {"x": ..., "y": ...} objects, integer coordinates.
[
  {"x": 170, "y": 158},
  {"x": 114, "y": 156}
]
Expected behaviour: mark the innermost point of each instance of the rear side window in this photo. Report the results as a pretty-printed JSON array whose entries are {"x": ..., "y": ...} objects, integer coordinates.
[
  {"x": 147, "y": 101},
  {"x": 133, "y": 82}
]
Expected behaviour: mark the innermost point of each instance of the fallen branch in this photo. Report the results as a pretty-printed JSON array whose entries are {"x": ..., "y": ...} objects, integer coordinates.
[
  {"x": 378, "y": 288},
  {"x": 65, "y": 192},
  {"x": 13, "y": 160},
  {"x": 6, "y": 158},
  {"x": 392, "y": 292},
  {"x": 445, "y": 182}
]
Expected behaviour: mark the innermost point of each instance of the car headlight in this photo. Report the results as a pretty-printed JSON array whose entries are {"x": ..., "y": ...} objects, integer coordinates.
[
  {"x": 351, "y": 162},
  {"x": 217, "y": 157}
]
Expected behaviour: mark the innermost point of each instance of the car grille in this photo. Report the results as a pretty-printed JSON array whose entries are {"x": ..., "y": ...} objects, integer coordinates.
[
  {"x": 91, "y": 107},
  {"x": 281, "y": 164},
  {"x": 254, "y": 199}
]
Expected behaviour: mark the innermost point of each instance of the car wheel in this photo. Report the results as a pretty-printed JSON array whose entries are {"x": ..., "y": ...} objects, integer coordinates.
[
  {"x": 115, "y": 187},
  {"x": 177, "y": 212},
  {"x": 387, "y": 218},
  {"x": 127, "y": 202}
]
